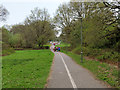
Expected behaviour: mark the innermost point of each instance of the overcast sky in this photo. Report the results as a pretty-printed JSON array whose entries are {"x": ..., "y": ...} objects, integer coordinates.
[{"x": 20, "y": 9}]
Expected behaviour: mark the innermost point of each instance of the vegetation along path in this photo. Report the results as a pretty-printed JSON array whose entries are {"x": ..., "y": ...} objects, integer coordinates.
[{"x": 67, "y": 74}]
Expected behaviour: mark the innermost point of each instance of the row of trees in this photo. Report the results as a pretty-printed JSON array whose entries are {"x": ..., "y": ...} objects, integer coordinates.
[
  {"x": 99, "y": 20},
  {"x": 100, "y": 26},
  {"x": 36, "y": 31}
]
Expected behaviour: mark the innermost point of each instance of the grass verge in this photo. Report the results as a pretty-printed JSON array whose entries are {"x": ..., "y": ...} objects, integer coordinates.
[
  {"x": 105, "y": 55},
  {"x": 101, "y": 70},
  {"x": 26, "y": 69}
]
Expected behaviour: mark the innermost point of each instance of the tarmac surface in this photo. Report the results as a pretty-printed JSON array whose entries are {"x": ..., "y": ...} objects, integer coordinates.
[{"x": 65, "y": 73}]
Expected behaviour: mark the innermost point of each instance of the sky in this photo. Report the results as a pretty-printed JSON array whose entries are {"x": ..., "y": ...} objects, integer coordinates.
[{"x": 20, "y": 9}]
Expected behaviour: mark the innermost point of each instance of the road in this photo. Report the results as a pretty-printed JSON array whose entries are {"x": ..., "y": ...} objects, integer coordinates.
[{"x": 65, "y": 73}]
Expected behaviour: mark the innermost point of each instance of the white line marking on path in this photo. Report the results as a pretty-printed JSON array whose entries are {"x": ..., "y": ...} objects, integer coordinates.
[{"x": 68, "y": 72}]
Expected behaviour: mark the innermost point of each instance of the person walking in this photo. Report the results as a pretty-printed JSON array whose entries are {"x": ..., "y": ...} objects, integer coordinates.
[{"x": 58, "y": 48}]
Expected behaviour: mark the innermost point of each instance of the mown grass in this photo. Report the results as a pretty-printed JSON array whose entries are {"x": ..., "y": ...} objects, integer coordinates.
[
  {"x": 101, "y": 70},
  {"x": 63, "y": 45},
  {"x": 47, "y": 45},
  {"x": 26, "y": 69}
]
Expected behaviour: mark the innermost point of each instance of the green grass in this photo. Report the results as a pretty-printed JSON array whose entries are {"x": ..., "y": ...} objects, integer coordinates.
[
  {"x": 26, "y": 69},
  {"x": 47, "y": 45},
  {"x": 102, "y": 71},
  {"x": 63, "y": 45}
]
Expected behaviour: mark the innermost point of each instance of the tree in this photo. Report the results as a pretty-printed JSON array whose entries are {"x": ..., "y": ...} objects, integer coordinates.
[
  {"x": 5, "y": 39},
  {"x": 99, "y": 23},
  {"x": 37, "y": 15},
  {"x": 63, "y": 16},
  {"x": 3, "y": 13},
  {"x": 112, "y": 5},
  {"x": 39, "y": 21},
  {"x": 36, "y": 31},
  {"x": 5, "y": 35},
  {"x": 16, "y": 41}
]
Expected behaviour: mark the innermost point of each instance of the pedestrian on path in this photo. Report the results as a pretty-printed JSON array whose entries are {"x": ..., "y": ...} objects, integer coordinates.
[{"x": 58, "y": 48}]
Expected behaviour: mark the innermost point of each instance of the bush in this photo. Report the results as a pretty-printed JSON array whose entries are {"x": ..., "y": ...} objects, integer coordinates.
[
  {"x": 66, "y": 48},
  {"x": 42, "y": 47},
  {"x": 35, "y": 46},
  {"x": 5, "y": 46},
  {"x": 108, "y": 55},
  {"x": 6, "y": 49},
  {"x": 46, "y": 47},
  {"x": 86, "y": 51},
  {"x": 19, "y": 48},
  {"x": 102, "y": 57},
  {"x": 77, "y": 50}
]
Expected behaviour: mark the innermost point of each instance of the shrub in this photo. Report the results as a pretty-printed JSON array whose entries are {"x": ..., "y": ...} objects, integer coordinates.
[
  {"x": 101, "y": 54},
  {"x": 6, "y": 49},
  {"x": 35, "y": 46},
  {"x": 102, "y": 57},
  {"x": 86, "y": 51},
  {"x": 66, "y": 48},
  {"x": 45, "y": 47}
]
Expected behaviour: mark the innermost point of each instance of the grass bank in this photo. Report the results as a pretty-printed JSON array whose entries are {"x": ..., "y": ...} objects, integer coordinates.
[
  {"x": 101, "y": 70},
  {"x": 26, "y": 68},
  {"x": 105, "y": 55}
]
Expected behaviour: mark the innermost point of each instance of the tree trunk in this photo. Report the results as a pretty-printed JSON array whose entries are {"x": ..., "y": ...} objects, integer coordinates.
[{"x": 39, "y": 44}]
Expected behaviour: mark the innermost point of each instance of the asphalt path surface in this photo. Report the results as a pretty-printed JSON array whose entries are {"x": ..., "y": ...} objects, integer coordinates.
[{"x": 65, "y": 73}]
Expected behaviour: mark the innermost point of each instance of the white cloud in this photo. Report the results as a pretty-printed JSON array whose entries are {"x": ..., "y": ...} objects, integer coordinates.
[
  {"x": 47, "y": 1},
  {"x": 23, "y": 1}
]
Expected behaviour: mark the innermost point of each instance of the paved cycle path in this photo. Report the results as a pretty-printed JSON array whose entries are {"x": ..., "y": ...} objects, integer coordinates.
[{"x": 65, "y": 73}]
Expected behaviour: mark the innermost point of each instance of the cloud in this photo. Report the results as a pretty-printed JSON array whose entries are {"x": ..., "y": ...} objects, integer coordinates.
[
  {"x": 93, "y": 0},
  {"x": 24, "y": 1},
  {"x": 47, "y": 1}
]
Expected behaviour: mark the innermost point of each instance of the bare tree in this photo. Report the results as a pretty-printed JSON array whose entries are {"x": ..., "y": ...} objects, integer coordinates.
[
  {"x": 113, "y": 5},
  {"x": 3, "y": 13}
]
